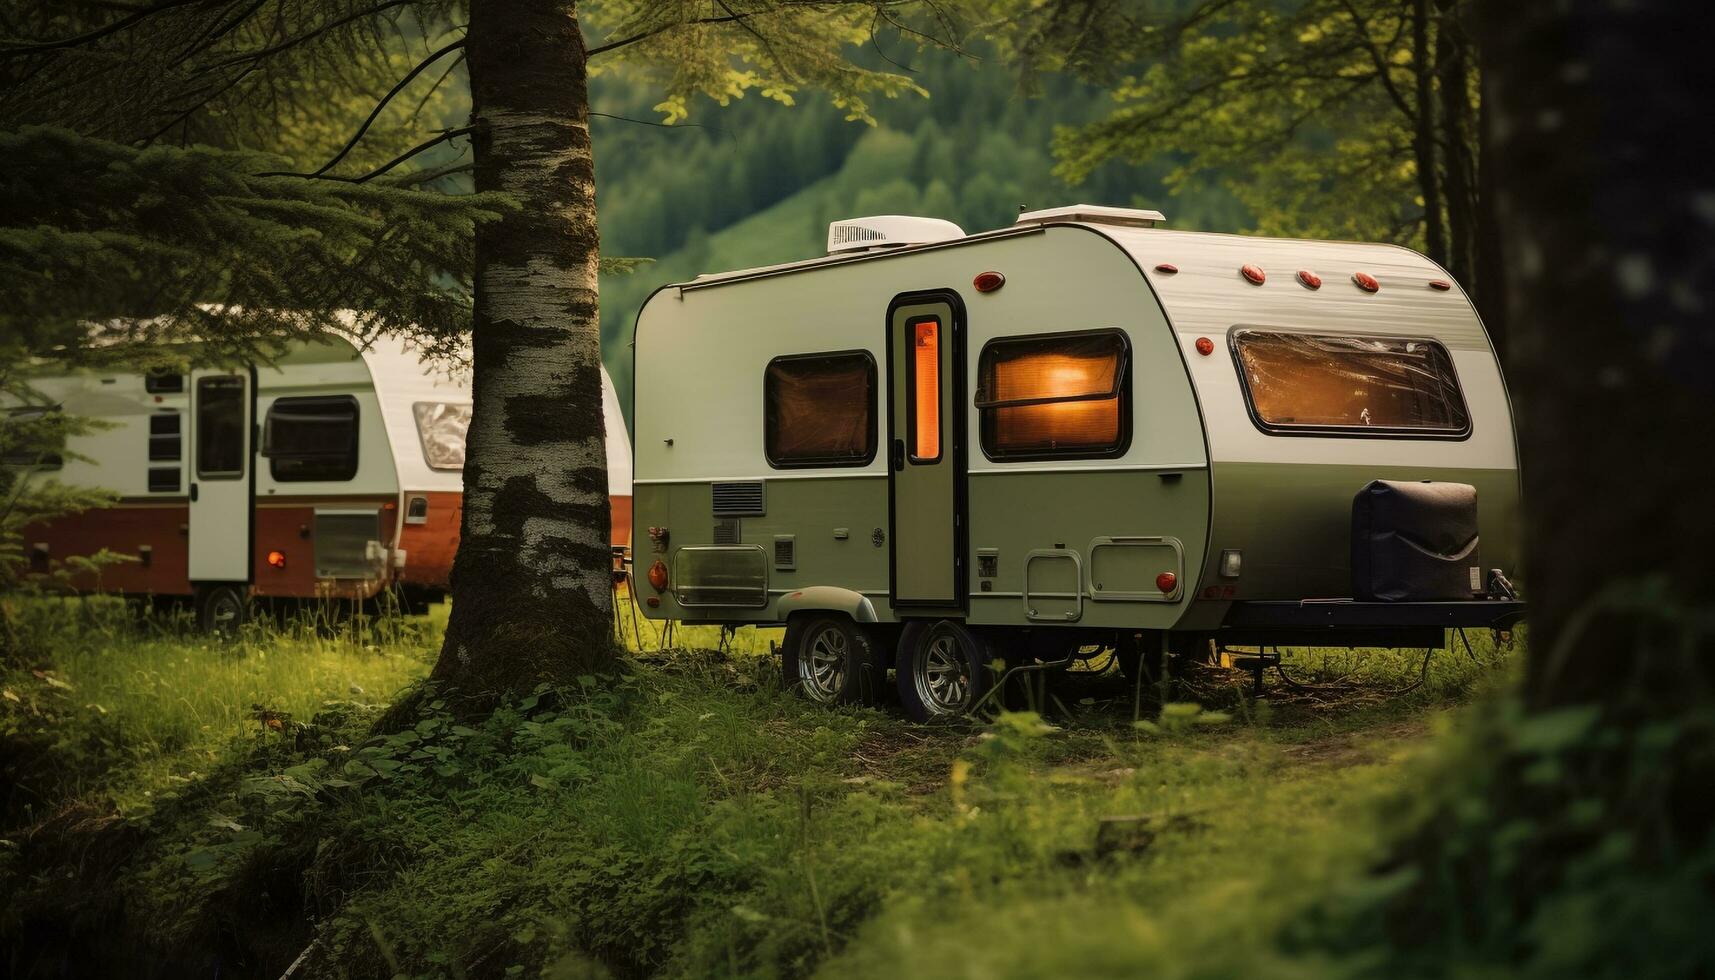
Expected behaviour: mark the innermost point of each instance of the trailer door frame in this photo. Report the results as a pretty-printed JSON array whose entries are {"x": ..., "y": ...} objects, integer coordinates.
[
  {"x": 926, "y": 464},
  {"x": 221, "y": 526}
]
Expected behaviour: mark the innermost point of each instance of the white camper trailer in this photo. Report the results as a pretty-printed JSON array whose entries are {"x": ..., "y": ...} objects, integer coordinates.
[
  {"x": 927, "y": 449},
  {"x": 334, "y": 472}
]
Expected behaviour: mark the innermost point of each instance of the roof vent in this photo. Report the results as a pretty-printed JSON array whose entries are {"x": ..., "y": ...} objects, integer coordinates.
[
  {"x": 1095, "y": 214},
  {"x": 888, "y": 231}
]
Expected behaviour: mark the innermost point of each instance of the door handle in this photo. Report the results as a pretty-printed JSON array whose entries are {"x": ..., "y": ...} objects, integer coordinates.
[
  {"x": 899, "y": 454},
  {"x": 193, "y": 493}
]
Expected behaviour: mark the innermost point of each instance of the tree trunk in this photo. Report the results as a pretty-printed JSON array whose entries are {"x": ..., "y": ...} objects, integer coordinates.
[
  {"x": 1608, "y": 207},
  {"x": 1491, "y": 295},
  {"x": 1423, "y": 142},
  {"x": 1453, "y": 77},
  {"x": 531, "y": 584}
]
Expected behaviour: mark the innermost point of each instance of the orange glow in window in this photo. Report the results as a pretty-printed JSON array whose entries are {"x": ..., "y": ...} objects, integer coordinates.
[{"x": 926, "y": 390}]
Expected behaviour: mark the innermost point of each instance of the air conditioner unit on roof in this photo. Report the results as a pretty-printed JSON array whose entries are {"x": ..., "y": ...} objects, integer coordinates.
[{"x": 888, "y": 230}]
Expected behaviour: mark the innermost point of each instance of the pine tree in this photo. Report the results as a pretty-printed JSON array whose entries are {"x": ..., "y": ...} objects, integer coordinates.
[{"x": 531, "y": 580}]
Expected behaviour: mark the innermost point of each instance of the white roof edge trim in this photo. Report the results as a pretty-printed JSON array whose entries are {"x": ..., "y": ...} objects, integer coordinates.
[{"x": 1095, "y": 214}]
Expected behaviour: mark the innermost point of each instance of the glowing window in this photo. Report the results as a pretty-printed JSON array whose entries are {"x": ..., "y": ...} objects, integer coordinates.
[
  {"x": 819, "y": 410},
  {"x": 1055, "y": 396},
  {"x": 925, "y": 385},
  {"x": 1350, "y": 385}
]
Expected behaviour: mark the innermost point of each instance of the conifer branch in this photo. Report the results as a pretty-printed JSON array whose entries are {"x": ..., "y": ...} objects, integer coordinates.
[
  {"x": 450, "y": 134},
  {"x": 273, "y": 49},
  {"x": 375, "y": 113},
  {"x": 106, "y": 30}
]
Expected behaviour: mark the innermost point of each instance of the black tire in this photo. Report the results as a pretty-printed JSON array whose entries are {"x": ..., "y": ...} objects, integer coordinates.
[
  {"x": 828, "y": 659},
  {"x": 222, "y": 609},
  {"x": 943, "y": 670}
]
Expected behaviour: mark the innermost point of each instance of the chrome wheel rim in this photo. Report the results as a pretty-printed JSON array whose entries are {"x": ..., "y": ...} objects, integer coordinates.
[
  {"x": 943, "y": 676},
  {"x": 822, "y": 664}
]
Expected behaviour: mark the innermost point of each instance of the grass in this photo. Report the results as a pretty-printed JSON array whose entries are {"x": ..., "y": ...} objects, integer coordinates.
[{"x": 687, "y": 819}]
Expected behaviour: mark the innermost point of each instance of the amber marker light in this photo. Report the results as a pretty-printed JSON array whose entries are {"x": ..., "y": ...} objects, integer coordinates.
[
  {"x": 988, "y": 282},
  {"x": 1205, "y": 346},
  {"x": 658, "y": 576},
  {"x": 1166, "y": 582},
  {"x": 277, "y": 559}
]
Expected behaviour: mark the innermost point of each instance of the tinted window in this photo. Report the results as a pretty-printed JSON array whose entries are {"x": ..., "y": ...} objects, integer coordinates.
[
  {"x": 163, "y": 382},
  {"x": 1350, "y": 385},
  {"x": 309, "y": 439},
  {"x": 1055, "y": 396},
  {"x": 819, "y": 410},
  {"x": 220, "y": 427},
  {"x": 164, "y": 440}
]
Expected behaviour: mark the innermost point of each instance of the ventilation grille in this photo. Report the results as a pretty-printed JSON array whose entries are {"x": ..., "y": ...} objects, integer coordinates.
[
  {"x": 785, "y": 549},
  {"x": 739, "y": 499},
  {"x": 727, "y": 530}
]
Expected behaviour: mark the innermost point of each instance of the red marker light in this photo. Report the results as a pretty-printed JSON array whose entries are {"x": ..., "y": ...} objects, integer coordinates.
[
  {"x": 1253, "y": 273},
  {"x": 658, "y": 576},
  {"x": 277, "y": 559},
  {"x": 1167, "y": 268},
  {"x": 1366, "y": 282},
  {"x": 988, "y": 282},
  {"x": 1309, "y": 280},
  {"x": 1166, "y": 582},
  {"x": 1205, "y": 346},
  {"x": 1440, "y": 284}
]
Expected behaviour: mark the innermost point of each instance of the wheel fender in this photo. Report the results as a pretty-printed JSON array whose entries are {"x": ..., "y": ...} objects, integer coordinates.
[{"x": 826, "y": 598}]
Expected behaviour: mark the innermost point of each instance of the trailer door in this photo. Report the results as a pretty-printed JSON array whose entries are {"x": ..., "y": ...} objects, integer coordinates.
[
  {"x": 925, "y": 426},
  {"x": 222, "y": 474}
]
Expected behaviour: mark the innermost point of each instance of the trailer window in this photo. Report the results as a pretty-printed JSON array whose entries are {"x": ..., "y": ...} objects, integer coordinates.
[
  {"x": 26, "y": 431},
  {"x": 1055, "y": 396},
  {"x": 311, "y": 439},
  {"x": 164, "y": 439},
  {"x": 924, "y": 383},
  {"x": 442, "y": 427},
  {"x": 163, "y": 382},
  {"x": 1342, "y": 385},
  {"x": 220, "y": 428},
  {"x": 819, "y": 410}
]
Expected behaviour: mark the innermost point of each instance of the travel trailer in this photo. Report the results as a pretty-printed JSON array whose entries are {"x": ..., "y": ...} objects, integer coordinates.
[
  {"x": 335, "y": 472},
  {"x": 927, "y": 449}
]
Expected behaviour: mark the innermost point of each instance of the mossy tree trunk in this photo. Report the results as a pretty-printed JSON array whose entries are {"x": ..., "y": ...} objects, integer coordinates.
[{"x": 531, "y": 583}]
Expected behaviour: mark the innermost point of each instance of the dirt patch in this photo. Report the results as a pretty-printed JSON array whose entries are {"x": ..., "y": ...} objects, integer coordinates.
[{"x": 1359, "y": 748}]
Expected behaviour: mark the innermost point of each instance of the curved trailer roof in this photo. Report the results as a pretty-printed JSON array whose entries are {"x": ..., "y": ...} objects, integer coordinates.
[{"x": 403, "y": 377}]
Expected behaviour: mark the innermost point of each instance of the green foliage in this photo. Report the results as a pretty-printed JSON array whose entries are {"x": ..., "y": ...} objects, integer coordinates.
[
  {"x": 1305, "y": 111},
  {"x": 191, "y": 243},
  {"x": 684, "y": 817}
]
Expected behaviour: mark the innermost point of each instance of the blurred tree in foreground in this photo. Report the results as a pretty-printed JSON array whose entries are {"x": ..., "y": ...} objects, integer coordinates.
[
  {"x": 1355, "y": 119},
  {"x": 1572, "y": 835}
]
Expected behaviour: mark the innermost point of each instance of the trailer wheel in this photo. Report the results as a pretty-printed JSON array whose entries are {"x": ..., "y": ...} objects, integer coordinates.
[
  {"x": 221, "y": 610},
  {"x": 831, "y": 660},
  {"x": 943, "y": 670}
]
